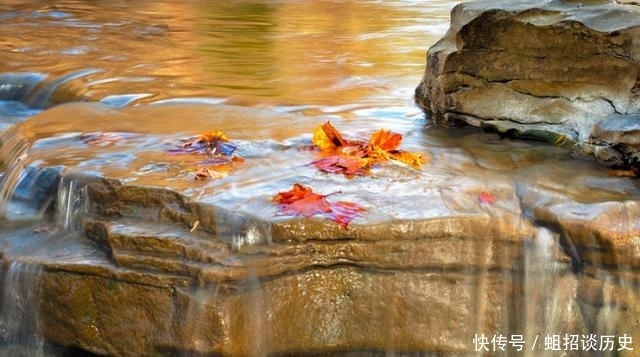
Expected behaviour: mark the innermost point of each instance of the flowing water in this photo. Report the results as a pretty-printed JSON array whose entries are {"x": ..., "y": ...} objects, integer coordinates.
[
  {"x": 19, "y": 322},
  {"x": 102, "y": 89}
]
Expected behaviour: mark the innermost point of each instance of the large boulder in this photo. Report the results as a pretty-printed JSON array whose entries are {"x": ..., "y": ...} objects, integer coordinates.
[{"x": 560, "y": 71}]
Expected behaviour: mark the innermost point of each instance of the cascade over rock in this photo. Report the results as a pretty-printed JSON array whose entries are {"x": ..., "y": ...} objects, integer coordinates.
[
  {"x": 565, "y": 72},
  {"x": 485, "y": 239}
]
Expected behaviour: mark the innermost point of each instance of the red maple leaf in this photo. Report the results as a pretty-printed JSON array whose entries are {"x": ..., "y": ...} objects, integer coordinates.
[
  {"x": 348, "y": 165},
  {"x": 344, "y": 212},
  {"x": 486, "y": 197},
  {"x": 296, "y": 193},
  {"x": 302, "y": 201}
]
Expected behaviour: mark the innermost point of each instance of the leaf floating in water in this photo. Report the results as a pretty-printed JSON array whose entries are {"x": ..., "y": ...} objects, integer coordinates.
[
  {"x": 219, "y": 151},
  {"x": 213, "y": 142},
  {"x": 302, "y": 201},
  {"x": 354, "y": 158},
  {"x": 486, "y": 198}
]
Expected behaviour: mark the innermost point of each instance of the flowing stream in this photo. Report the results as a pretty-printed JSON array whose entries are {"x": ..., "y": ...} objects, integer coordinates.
[
  {"x": 92, "y": 90},
  {"x": 19, "y": 321}
]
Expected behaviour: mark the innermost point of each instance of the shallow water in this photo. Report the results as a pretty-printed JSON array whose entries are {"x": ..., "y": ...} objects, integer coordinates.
[
  {"x": 321, "y": 55},
  {"x": 355, "y": 60}
]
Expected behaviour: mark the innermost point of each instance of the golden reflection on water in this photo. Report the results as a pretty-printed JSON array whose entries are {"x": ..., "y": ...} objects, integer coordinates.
[{"x": 253, "y": 52}]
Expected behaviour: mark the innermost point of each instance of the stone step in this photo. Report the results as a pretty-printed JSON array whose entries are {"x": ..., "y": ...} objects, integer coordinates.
[
  {"x": 155, "y": 238},
  {"x": 160, "y": 247}
]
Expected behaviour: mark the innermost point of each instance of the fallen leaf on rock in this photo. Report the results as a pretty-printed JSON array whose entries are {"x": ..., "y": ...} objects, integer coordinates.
[
  {"x": 348, "y": 165},
  {"x": 412, "y": 159},
  {"x": 212, "y": 142},
  {"x": 386, "y": 140},
  {"x": 344, "y": 212},
  {"x": 326, "y": 137},
  {"x": 302, "y": 201},
  {"x": 486, "y": 197},
  {"x": 355, "y": 157},
  {"x": 219, "y": 151}
]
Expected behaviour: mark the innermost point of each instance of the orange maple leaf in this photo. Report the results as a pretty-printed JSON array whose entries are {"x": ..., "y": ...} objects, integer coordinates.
[
  {"x": 214, "y": 142},
  {"x": 302, "y": 201},
  {"x": 386, "y": 140}
]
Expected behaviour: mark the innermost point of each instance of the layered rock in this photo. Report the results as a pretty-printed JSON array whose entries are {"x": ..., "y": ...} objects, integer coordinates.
[
  {"x": 143, "y": 265},
  {"x": 565, "y": 72}
]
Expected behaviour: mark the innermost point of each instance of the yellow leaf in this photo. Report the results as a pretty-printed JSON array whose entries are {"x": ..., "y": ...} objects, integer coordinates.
[
  {"x": 214, "y": 135},
  {"x": 326, "y": 137},
  {"x": 412, "y": 159}
]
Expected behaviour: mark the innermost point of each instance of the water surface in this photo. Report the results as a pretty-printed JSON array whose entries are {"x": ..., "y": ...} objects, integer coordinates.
[{"x": 324, "y": 55}]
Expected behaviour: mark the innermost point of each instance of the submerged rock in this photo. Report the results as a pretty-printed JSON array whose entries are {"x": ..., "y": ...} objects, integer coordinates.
[{"x": 565, "y": 72}]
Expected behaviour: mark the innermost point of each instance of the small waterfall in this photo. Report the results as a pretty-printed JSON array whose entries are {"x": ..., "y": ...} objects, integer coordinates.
[
  {"x": 236, "y": 307},
  {"x": 41, "y": 96},
  {"x": 18, "y": 86},
  {"x": 13, "y": 152},
  {"x": 71, "y": 203},
  {"x": 26, "y": 192},
  {"x": 553, "y": 313},
  {"x": 199, "y": 311},
  {"x": 539, "y": 286},
  {"x": 239, "y": 230},
  {"x": 241, "y": 319},
  {"x": 255, "y": 321},
  {"x": 19, "y": 317}
]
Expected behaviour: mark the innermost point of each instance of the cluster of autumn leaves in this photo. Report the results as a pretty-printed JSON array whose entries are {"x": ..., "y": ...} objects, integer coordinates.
[
  {"x": 336, "y": 155},
  {"x": 354, "y": 158}
]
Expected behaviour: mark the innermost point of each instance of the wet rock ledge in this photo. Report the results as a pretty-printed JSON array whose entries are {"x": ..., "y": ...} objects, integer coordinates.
[
  {"x": 564, "y": 72},
  {"x": 486, "y": 238}
]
